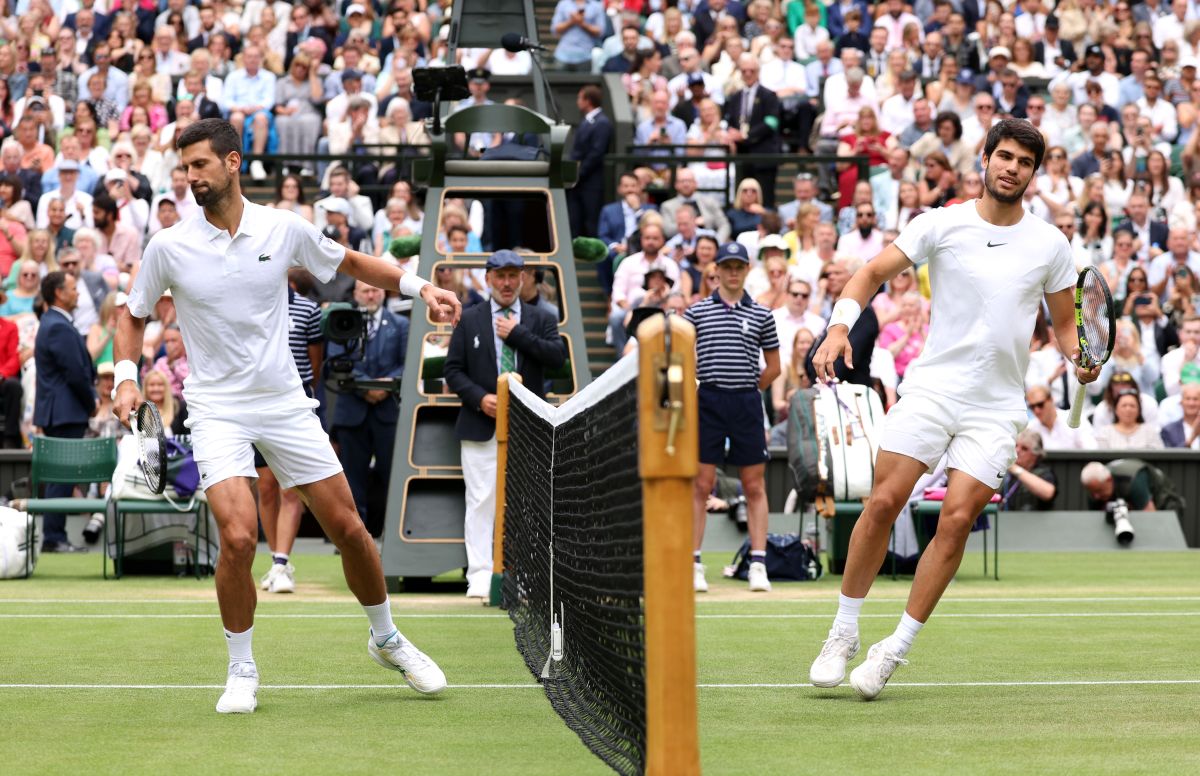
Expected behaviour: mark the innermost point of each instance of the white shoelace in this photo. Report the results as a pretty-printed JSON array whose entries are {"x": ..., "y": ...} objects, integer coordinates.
[{"x": 833, "y": 642}]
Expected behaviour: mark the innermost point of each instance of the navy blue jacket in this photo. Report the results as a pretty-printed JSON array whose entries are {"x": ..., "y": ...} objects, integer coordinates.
[
  {"x": 590, "y": 146},
  {"x": 470, "y": 369},
  {"x": 384, "y": 357},
  {"x": 611, "y": 228},
  {"x": 65, "y": 374}
]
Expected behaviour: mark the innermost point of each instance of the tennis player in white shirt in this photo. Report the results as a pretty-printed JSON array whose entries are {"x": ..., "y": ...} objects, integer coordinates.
[
  {"x": 990, "y": 264},
  {"x": 226, "y": 267}
]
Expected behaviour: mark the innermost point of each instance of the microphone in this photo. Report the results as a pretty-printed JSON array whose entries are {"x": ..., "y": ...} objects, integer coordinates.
[{"x": 515, "y": 43}]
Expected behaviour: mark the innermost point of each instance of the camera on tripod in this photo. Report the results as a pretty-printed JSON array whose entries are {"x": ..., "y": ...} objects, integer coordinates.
[
  {"x": 344, "y": 322},
  {"x": 1116, "y": 513}
]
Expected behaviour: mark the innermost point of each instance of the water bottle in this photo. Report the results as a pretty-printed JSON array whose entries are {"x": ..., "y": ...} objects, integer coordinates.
[{"x": 181, "y": 557}]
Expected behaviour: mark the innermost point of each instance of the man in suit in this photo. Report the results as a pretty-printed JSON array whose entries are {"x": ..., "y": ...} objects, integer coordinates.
[
  {"x": 592, "y": 137},
  {"x": 364, "y": 421},
  {"x": 618, "y": 223},
  {"x": 708, "y": 208},
  {"x": 66, "y": 396},
  {"x": 753, "y": 118},
  {"x": 1149, "y": 233},
  {"x": 705, "y": 16},
  {"x": 1053, "y": 52},
  {"x": 502, "y": 335}
]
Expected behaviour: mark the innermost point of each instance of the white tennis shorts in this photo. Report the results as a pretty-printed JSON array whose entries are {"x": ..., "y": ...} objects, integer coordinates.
[
  {"x": 287, "y": 433},
  {"x": 977, "y": 440}
]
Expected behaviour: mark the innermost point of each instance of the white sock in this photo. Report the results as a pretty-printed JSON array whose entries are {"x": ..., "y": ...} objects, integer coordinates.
[
  {"x": 239, "y": 646},
  {"x": 847, "y": 613},
  {"x": 380, "y": 616},
  {"x": 901, "y": 641}
]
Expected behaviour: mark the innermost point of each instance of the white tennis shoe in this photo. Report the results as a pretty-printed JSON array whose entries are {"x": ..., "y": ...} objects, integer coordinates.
[
  {"x": 269, "y": 577},
  {"x": 699, "y": 583},
  {"x": 284, "y": 580},
  {"x": 758, "y": 578},
  {"x": 400, "y": 654},
  {"x": 829, "y": 669},
  {"x": 241, "y": 690},
  {"x": 870, "y": 677}
]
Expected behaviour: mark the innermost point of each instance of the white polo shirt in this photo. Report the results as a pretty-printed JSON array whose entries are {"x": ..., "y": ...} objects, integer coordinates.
[{"x": 231, "y": 295}]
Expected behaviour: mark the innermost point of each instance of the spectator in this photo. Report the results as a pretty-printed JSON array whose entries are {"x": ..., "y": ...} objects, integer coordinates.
[
  {"x": 1179, "y": 254},
  {"x": 792, "y": 377},
  {"x": 732, "y": 331},
  {"x": 1151, "y": 234},
  {"x": 592, "y": 137},
  {"x": 156, "y": 388},
  {"x": 1184, "y": 432},
  {"x": 707, "y": 208},
  {"x": 866, "y": 139},
  {"x": 100, "y": 335},
  {"x": 1143, "y": 487},
  {"x": 62, "y": 234},
  {"x": 118, "y": 239},
  {"x": 1092, "y": 243},
  {"x": 364, "y": 420},
  {"x": 631, "y": 276},
  {"x": 1052, "y": 426},
  {"x": 661, "y": 128},
  {"x": 1029, "y": 485},
  {"x": 23, "y": 295},
  {"x": 1184, "y": 298},
  {"x": 11, "y": 391},
  {"x": 362, "y": 215},
  {"x": 1188, "y": 352},
  {"x": 77, "y": 204},
  {"x": 290, "y": 196},
  {"x": 174, "y": 363},
  {"x": 65, "y": 398},
  {"x": 753, "y": 118},
  {"x": 939, "y": 184},
  {"x": 885, "y": 185},
  {"x": 249, "y": 96},
  {"x": 905, "y": 337},
  {"x": 748, "y": 209},
  {"x": 297, "y": 99},
  {"x": 643, "y": 80},
  {"x": 864, "y": 333},
  {"x": 848, "y": 216},
  {"x": 1129, "y": 430},
  {"x": 519, "y": 338},
  {"x": 866, "y": 241},
  {"x": 804, "y": 188},
  {"x": 773, "y": 264},
  {"x": 180, "y": 196},
  {"x": 796, "y": 315},
  {"x": 1116, "y": 270}
]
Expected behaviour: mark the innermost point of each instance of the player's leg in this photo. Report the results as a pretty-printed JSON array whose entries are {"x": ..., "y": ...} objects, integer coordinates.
[
  {"x": 702, "y": 487},
  {"x": 330, "y": 501},
  {"x": 232, "y": 505}
]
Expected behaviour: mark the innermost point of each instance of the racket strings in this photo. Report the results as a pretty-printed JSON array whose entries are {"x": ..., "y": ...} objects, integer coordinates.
[
  {"x": 150, "y": 434},
  {"x": 1096, "y": 308}
]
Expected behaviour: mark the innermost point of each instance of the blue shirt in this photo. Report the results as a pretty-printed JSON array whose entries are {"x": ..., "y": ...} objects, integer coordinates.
[
  {"x": 676, "y": 134},
  {"x": 242, "y": 89},
  {"x": 575, "y": 45},
  {"x": 116, "y": 86}
]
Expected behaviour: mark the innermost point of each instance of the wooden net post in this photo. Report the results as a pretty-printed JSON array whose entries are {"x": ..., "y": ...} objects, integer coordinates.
[
  {"x": 502, "y": 395},
  {"x": 668, "y": 441}
]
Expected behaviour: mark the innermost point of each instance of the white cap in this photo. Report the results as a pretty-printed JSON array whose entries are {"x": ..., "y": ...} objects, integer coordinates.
[
  {"x": 336, "y": 205},
  {"x": 354, "y": 8},
  {"x": 115, "y": 174}
]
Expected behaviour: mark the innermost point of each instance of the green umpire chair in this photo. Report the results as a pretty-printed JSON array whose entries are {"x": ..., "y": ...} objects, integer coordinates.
[{"x": 81, "y": 461}]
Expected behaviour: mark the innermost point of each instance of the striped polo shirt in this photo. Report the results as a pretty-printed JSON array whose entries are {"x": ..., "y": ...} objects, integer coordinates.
[
  {"x": 729, "y": 341},
  {"x": 304, "y": 328}
]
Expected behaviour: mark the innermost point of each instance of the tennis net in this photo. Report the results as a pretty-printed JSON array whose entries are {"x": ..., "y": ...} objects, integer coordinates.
[
  {"x": 596, "y": 533},
  {"x": 573, "y": 559}
]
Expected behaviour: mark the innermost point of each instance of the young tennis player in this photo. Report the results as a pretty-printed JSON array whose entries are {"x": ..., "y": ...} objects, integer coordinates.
[
  {"x": 227, "y": 268},
  {"x": 990, "y": 266}
]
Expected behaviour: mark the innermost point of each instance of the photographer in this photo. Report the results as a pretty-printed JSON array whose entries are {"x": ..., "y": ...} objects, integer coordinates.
[
  {"x": 1128, "y": 485},
  {"x": 364, "y": 421}
]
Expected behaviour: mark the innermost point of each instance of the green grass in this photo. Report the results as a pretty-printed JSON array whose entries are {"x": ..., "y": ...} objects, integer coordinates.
[{"x": 63, "y": 627}]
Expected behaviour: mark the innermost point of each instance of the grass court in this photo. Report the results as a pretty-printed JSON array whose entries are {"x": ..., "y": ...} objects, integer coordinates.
[{"x": 1071, "y": 664}]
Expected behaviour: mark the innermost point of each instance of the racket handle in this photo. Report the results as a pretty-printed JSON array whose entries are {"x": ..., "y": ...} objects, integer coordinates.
[{"x": 1077, "y": 407}]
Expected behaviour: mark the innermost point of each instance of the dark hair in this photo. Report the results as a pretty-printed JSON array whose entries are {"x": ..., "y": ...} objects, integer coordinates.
[
  {"x": 1093, "y": 206},
  {"x": 218, "y": 132},
  {"x": 1021, "y": 131},
  {"x": 299, "y": 188},
  {"x": 593, "y": 95},
  {"x": 954, "y": 120},
  {"x": 15, "y": 182},
  {"x": 456, "y": 229},
  {"x": 1137, "y": 397},
  {"x": 51, "y": 284},
  {"x": 716, "y": 243},
  {"x": 105, "y": 202}
]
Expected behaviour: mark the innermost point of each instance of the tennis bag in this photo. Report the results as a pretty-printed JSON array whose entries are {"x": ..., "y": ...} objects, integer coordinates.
[
  {"x": 803, "y": 445},
  {"x": 788, "y": 557},
  {"x": 847, "y": 416},
  {"x": 15, "y": 549}
]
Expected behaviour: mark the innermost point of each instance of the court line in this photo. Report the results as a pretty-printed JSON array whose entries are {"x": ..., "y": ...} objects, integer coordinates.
[
  {"x": 699, "y": 600},
  {"x": 529, "y": 686},
  {"x": 443, "y": 616}
]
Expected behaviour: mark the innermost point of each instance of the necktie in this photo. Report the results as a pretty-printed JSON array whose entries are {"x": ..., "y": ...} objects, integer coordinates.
[
  {"x": 508, "y": 357},
  {"x": 372, "y": 327},
  {"x": 747, "y": 106}
]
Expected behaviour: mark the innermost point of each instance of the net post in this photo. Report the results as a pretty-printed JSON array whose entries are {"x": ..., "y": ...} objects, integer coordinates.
[
  {"x": 668, "y": 441},
  {"x": 502, "y": 398}
]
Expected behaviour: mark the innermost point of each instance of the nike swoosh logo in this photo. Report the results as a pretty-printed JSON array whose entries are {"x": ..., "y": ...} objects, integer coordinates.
[{"x": 995, "y": 245}]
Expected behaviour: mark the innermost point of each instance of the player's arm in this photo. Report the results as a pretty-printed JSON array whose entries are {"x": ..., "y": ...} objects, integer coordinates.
[
  {"x": 855, "y": 296},
  {"x": 443, "y": 305},
  {"x": 1062, "y": 315},
  {"x": 127, "y": 350}
]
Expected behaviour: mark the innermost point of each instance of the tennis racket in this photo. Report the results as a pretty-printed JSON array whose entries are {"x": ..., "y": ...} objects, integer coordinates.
[
  {"x": 1096, "y": 321},
  {"x": 152, "y": 445}
]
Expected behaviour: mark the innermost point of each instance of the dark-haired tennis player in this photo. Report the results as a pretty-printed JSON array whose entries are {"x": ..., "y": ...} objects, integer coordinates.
[
  {"x": 227, "y": 268},
  {"x": 990, "y": 266}
]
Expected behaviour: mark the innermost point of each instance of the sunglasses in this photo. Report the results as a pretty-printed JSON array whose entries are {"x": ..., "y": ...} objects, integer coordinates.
[
  {"x": 799, "y": 294},
  {"x": 1037, "y": 405}
]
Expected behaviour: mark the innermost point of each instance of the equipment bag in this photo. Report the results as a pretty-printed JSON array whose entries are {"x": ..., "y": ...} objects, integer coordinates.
[
  {"x": 15, "y": 549},
  {"x": 804, "y": 446},
  {"x": 847, "y": 416},
  {"x": 788, "y": 557}
]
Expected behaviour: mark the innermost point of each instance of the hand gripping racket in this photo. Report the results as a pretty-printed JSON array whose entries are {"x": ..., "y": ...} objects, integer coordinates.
[
  {"x": 152, "y": 445},
  {"x": 1096, "y": 320}
]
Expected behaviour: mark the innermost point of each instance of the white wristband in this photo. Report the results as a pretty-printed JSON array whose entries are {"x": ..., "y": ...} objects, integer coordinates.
[
  {"x": 411, "y": 284},
  {"x": 846, "y": 313},
  {"x": 124, "y": 370}
]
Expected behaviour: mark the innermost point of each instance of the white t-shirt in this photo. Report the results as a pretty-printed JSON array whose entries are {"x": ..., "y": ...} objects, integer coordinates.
[
  {"x": 232, "y": 299},
  {"x": 988, "y": 282}
]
